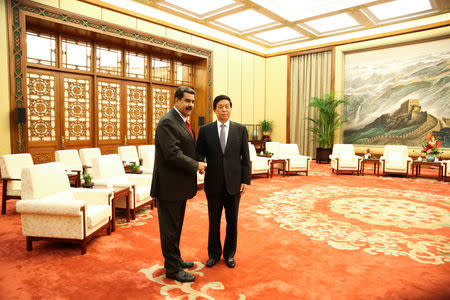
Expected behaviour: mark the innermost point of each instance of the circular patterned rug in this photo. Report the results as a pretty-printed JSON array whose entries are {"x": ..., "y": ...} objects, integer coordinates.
[{"x": 359, "y": 218}]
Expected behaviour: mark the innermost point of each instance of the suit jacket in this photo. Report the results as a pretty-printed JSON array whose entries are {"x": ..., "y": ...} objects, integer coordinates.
[
  {"x": 175, "y": 168},
  {"x": 232, "y": 166}
]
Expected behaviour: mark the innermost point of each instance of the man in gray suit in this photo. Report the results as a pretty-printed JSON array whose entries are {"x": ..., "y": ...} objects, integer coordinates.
[
  {"x": 225, "y": 146},
  {"x": 175, "y": 179}
]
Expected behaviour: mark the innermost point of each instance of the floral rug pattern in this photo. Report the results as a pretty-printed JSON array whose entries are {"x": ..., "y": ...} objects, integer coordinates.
[
  {"x": 183, "y": 290},
  {"x": 321, "y": 213}
]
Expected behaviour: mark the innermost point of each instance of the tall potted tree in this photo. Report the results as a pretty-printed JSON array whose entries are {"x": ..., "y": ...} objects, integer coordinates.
[{"x": 327, "y": 121}]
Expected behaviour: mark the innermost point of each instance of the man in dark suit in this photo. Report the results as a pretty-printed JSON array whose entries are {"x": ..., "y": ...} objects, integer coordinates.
[
  {"x": 175, "y": 179},
  {"x": 225, "y": 146}
]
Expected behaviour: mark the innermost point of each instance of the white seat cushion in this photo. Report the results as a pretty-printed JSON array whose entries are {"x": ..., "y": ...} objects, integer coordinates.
[{"x": 96, "y": 214}]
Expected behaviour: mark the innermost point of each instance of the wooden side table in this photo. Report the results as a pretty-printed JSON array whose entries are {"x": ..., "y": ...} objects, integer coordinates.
[
  {"x": 75, "y": 178},
  {"x": 277, "y": 161},
  {"x": 417, "y": 166},
  {"x": 376, "y": 165}
]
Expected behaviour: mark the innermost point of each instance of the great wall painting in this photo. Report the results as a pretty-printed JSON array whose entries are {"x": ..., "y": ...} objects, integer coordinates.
[{"x": 398, "y": 95}]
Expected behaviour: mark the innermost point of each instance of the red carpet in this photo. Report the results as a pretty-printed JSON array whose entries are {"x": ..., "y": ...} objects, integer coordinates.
[{"x": 317, "y": 237}]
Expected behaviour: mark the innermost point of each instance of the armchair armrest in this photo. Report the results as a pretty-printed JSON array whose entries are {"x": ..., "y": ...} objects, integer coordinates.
[
  {"x": 140, "y": 179},
  {"x": 409, "y": 159},
  {"x": 333, "y": 156},
  {"x": 50, "y": 207},
  {"x": 382, "y": 158},
  {"x": 93, "y": 196}
]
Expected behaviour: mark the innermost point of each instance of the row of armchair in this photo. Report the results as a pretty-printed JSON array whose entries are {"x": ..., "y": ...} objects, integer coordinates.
[
  {"x": 289, "y": 153},
  {"x": 395, "y": 160},
  {"x": 52, "y": 210}
]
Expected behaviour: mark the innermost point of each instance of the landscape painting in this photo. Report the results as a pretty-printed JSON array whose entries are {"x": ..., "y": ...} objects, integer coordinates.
[{"x": 398, "y": 95}]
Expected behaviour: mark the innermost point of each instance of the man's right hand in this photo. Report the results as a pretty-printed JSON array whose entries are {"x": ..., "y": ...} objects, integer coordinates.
[{"x": 201, "y": 167}]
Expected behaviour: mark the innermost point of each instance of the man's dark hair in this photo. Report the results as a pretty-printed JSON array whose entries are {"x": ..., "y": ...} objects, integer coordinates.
[
  {"x": 179, "y": 93},
  {"x": 221, "y": 97}
]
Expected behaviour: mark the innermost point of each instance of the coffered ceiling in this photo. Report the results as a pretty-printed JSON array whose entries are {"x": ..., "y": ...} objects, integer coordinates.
[{"x": 270, "y": 26}]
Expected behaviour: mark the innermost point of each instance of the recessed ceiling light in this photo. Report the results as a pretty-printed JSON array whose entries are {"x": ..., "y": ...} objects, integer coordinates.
[
  {"x": 399, "y": 8},
  {"x": 278, "y": 35},
  {"x": 302, "y": 9},
  {"x": 332, "y": 23},
  {"x": 200, "y": 7},
  {"x": 245, "y": 20}
]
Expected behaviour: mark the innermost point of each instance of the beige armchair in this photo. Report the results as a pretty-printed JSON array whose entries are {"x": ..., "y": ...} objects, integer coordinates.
[
  {"x": 259, "y": 165},
  {"x": 86, "y": 156},
  {"x": 343, "y": 159},
  {"x": 51, "y": 210},
  {"x": 296, "y": 162},
  {"x": 148, "y": 161},
  {"x": 395, "y": 160},
  {"x": 143, "y": 148},
  {"x": 128, "y": 154},
  {"x": 71, "y": 162},
  {"x": 11, "y": 171},
  {"x": 108, "y": 170}
]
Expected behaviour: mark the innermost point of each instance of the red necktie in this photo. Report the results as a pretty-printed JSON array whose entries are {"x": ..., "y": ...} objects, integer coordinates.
[{"x": 190, "y": 129}]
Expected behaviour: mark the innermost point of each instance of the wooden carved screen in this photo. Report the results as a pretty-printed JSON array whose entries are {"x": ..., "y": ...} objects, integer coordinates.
[
  {"x": 136, "y": 98},
  {"x": 109, "y": 115},
  {"x": 77, "y": 124},
  {"x": 42, "y": 111},
  {"x": 162, "y": 102}
]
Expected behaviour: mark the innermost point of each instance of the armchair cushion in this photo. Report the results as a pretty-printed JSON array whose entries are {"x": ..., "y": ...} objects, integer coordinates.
[
  {"x": 88, "y": 154},
  {"x": 11, "y": 164},
  {"x": 70, "y": 159}
]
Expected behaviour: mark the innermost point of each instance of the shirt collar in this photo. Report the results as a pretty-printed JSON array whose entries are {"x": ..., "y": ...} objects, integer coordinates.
[
  {"x": 227, "y": 123},
  {"x": 184, "y": 118}
]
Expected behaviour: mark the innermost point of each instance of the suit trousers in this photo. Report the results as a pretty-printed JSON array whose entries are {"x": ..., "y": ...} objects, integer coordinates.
[
  {"x": 171, "y": 217},
  {"x": 216, "y": 203}
]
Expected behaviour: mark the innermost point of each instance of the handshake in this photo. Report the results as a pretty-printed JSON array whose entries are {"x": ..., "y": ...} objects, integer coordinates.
[{"x": 201, "y": 167}]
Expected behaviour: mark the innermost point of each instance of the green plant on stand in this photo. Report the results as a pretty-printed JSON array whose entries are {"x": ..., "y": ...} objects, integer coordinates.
[
  {"x": 136, "y": 168},
  {"x": 87, "y": 180},
  {"x": 266, "y": 127}
]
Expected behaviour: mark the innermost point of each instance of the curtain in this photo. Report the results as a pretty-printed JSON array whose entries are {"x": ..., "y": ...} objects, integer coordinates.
[{"x": 310, "y": 77}]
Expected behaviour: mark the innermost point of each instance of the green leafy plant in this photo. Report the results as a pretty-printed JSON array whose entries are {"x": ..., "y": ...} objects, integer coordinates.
[
  {"x": 135, "y": 167},
  {"x": 266, "y": 125},
  {"x": 328, "y": 119},
  {"x": 87, "y": 178}
]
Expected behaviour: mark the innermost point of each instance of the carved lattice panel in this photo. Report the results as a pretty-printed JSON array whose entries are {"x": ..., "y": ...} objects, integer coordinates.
[
  {"x": 41, "y": 107},
  {"x": 77, "y": 109},
  {"x": 108, "y": 110},
  {"x": 161, "y": 104},
  {"x": 137, "y": 112}
]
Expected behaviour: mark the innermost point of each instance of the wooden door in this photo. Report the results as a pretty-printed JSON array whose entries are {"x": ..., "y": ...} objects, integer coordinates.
[
  {"x": 77, "y": 111},
  {"x": 43, "y": 111}
]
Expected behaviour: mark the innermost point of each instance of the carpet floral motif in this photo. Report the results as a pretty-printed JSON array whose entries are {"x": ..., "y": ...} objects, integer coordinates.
[
  {"x": 316, "y": 212},
  {"x": 142, "y": 217},
  {"x": 186, "y": 288}
]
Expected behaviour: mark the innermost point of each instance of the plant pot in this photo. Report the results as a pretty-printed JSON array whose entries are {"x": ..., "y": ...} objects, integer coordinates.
[
  {"x": 323, "y": 155},
  {"x": 430, "y": 157},
  {"x": 266, "y": 136},
  {"x": 87, "y": 185}
]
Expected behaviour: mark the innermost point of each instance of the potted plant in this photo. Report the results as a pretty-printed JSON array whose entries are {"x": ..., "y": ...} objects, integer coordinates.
[
  {"x": 87, "y": 180},
  {"x": 431, "y": 147},
  {"x": 136, "y": 168},
  {"x": 266, "y": 127},
  {"x": 327, "y": 121}
]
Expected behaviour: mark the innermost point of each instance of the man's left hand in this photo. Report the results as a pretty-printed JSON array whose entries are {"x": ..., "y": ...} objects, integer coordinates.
[{"x": 243, "y": 187}]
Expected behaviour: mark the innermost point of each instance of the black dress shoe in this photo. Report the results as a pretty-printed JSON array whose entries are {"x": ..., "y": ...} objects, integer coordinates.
[
  {"x": 187, "y": 264},
  {"x": 181, "y": 276},
  {"x": 231, "y": 263},
  {"x": 211, "y": 262}
]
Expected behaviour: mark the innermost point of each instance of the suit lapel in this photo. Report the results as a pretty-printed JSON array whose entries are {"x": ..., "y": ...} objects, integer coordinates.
[{"x": 182, "y": 123}]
